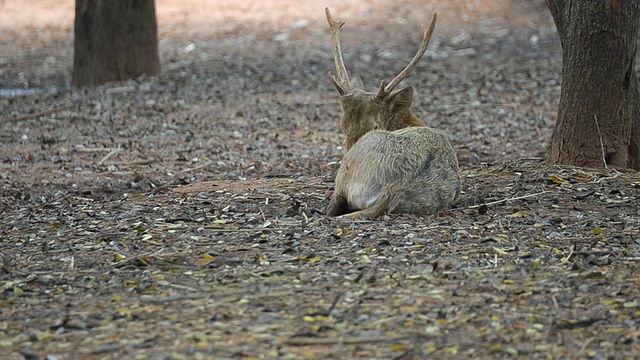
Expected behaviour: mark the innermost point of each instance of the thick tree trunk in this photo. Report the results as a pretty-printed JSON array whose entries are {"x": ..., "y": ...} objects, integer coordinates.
[
  {"x": 599, "y": 115},
  {"x": 114, "y": 40}
]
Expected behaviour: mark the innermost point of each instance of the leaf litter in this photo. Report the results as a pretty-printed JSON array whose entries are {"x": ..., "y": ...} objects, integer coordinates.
[{"x": 182, "y": 216}]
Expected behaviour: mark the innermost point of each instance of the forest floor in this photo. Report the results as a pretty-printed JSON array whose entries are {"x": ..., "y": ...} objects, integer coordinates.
[{"x": 182, "y": 216}]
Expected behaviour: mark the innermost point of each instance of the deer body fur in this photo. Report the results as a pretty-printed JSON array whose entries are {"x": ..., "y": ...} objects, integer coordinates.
[
  {"x": 394, "y": 163},
  {"x": 412, "y": 170}
]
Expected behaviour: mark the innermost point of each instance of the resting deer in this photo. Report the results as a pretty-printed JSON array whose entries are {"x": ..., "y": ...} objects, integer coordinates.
[{"x": 394, "y": 163}]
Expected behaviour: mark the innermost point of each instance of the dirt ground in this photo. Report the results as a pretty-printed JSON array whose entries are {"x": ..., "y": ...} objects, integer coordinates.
[{"x": 182, "y": 216}]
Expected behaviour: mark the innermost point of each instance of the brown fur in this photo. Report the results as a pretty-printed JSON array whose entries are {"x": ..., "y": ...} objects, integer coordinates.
[{"x": 361, "y": 113}]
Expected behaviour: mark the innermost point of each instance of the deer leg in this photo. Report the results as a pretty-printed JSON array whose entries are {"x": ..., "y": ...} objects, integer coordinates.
[
  {"x": 371, "y": 212},
  {"x": 385, "y": 205},
  {"x": 338, "y": 205},
  {"x": 356, "y": 215}
]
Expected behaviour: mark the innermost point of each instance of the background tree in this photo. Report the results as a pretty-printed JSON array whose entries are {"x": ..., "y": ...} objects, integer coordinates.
[
  {"x": 599, "y": 116},
  {"x": 114, "y": 40}
]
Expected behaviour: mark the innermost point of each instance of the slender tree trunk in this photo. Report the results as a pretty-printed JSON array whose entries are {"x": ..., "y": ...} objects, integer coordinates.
[
  {"x": 114, "y": 40},
  {"x": 599, "y": 115}
]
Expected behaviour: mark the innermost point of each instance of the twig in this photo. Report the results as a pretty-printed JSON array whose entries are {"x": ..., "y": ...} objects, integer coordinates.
[
  {"x": 110, "y": 348},
  {"x": 335, "y": 302},
  {"x": 179, "y": 297},
  {"x": 632, "y": 259},
  {"x": 132, "y": 162},
  {"x": 251, "y": 229},
  {"x": 584, "y": 346},
  {"x": 344, "y": 340},
  {"x": 80, "y": 198},
  {"x": 434, "y": 227},
  {"x": 93, "y": 150},
  {"x": 182, "y": 287},
  {"x": 225, "y": 295},
  {"x": 119, "y": 89},
  {"x": 118, "y": 173},
  {"x": 566, "y": 259},
  {"x": 505, "y": 200},
  {"x": 131, "y": 259},
  {"x": 617, "y": 173},
  {"x": 110, "y": 154},
  {"x": 477, "y": 105},
  {"x": 194, "y": 168},
  {"x": 40, "y": 113},
  {"x": 604, "y": 161}
]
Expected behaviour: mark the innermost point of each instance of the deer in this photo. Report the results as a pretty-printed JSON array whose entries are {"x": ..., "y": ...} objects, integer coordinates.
[{"x": 394, "y": 163}]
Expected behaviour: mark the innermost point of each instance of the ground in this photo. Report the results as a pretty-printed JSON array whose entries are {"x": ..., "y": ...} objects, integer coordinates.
[{"x": 182, "y": 216}]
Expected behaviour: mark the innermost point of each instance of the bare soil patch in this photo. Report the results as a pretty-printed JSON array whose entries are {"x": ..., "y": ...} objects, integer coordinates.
[{"x": 182, "y": 216}]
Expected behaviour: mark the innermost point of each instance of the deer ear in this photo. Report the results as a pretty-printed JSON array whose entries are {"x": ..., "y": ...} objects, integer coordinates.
[
  {"x": 356, "y": 82},
  {"x": 400, "y": 100}
]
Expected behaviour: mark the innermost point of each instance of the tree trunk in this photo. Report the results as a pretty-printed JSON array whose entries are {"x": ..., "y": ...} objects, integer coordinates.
[
  {"x": 599, "y": 115},
  {"x": 114, "y": 40}
]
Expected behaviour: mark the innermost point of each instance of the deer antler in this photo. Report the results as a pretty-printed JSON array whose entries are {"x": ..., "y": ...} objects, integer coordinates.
[
  {"x": 342, "y": 82},
  {"x": 386, "y": 90}
]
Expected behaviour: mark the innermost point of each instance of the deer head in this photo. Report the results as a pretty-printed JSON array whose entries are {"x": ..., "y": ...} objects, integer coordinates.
[{"x": 363, "y": 111}]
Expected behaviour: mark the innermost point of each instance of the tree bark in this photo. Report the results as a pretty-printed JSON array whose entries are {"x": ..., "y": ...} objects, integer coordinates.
[
  {"x": 599, "y": 114},
  {"x": 114, "y": 40}
]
